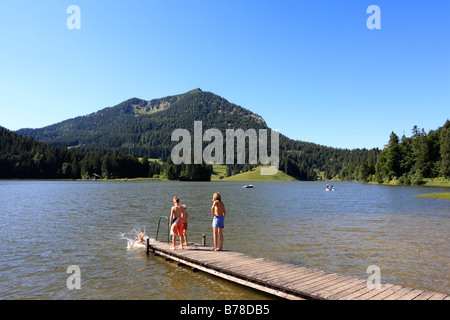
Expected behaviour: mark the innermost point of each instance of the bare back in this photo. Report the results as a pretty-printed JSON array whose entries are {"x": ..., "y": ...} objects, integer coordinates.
[
  {"x": 218, "y": 208},
  {"x": 176, "y": 212}
]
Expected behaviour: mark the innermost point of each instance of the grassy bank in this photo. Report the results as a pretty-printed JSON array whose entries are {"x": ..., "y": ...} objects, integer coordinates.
[
  {"x": 435, "y": 182},
  {"x": 255, "y": 175},
  {"x": 140, "y": 179},
  {"x": 443, "y": 195},
  {"x": 219, "y": 173}
]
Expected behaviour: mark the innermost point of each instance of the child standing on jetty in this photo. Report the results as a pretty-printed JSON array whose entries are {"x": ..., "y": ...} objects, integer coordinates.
[
  {"x": 176, "y": 224},
  {"x": 218, "y": 211},
  {"x": 184, "y": 219}
]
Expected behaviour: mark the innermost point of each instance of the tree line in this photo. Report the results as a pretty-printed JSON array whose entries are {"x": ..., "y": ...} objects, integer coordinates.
[
  {"x": 309, "y": 161},
  {"x": 188, "y": 172},
  {"x": 411, "y": 159},
  {"x": 26, "y": 158},
  {"x": 408, "y": 160}
]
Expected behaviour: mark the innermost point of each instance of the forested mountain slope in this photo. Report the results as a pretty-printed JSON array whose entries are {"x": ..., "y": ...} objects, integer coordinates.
[{"x": 144, "y": 128}]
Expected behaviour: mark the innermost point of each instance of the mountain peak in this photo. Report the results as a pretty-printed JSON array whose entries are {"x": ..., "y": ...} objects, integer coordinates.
[
  {"x": 196, "y": 90},
  {"x": 145, "y": 126}
]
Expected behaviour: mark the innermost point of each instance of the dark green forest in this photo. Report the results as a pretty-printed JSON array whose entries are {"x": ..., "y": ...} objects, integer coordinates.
[
  {"x": 411, "y": 159},
  {"x": 187, "y": 172},
  {"x": 25, "y": 158},
  {"x": 144, "y": 128},
  {"x": 116, "y": 142}
]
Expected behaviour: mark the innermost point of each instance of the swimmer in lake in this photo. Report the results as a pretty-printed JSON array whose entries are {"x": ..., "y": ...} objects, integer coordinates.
[{"x": 140, "y": 238}]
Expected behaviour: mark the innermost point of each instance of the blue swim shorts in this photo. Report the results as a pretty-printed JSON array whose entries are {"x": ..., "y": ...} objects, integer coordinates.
[{"x": 218, "y": 222}]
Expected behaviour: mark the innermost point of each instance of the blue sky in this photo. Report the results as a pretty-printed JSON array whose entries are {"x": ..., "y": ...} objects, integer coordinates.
[{"x": 311, "y": 69}]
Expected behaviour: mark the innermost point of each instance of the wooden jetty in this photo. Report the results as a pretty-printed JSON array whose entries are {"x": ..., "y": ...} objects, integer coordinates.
[{"x": 283, "y": 279}]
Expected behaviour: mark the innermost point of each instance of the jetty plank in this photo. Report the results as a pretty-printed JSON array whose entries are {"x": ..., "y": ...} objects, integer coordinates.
[
  {"x": 329, "y": 287},
  {"x": 282, "y": 279},
  {"x": 374, "y": 294},
  {"x": 411, "y": 295},
  {"x": 438, "y": 296},
  {"x": 359, "y": 291},
  {"x": 339, "y": 289},
  {"x": 354, "y": 287},
  {"x": 424, "y": 295},
  {"x": 398, "y": 294},
  {"x": 288, "y": 275},
  {"x": 386, "y": 293}
]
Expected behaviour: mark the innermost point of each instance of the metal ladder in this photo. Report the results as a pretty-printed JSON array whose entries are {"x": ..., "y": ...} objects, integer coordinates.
[{"x": 168, "y": 228}]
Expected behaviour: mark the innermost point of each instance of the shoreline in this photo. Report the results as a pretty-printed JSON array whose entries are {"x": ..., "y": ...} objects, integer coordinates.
[
  {"x": 429, "y": 183},
  {"x": 445, "y": 183},
  {"x": 441, "y": 195}
]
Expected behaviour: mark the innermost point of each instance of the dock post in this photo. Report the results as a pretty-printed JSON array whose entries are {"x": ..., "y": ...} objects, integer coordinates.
[
  {"x": 148, "y": 246},
  {"x": 204, "y": 239}
]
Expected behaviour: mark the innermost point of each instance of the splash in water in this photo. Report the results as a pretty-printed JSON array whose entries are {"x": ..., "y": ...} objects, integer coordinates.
[{"x": 133, "y": 240}]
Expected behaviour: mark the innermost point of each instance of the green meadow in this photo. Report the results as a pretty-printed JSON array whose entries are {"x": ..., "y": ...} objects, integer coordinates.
[
  {"x": 441, "y": 195},
  {"x": 253, "y": 175}
]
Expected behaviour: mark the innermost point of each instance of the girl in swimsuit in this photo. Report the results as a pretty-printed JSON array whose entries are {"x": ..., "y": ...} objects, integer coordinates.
[{"x": 218, "y": 211}]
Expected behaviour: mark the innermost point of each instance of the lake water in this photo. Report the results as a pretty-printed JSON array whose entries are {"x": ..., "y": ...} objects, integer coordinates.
[{"x": 46, "y": 226}]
